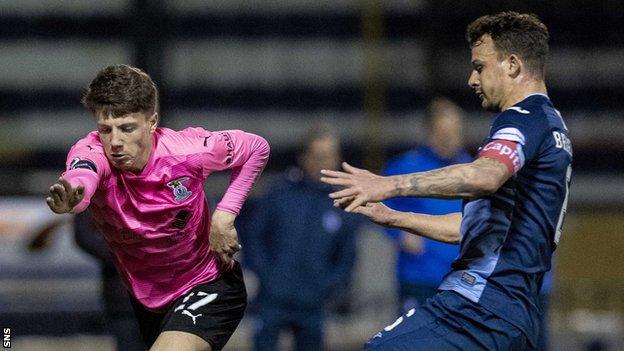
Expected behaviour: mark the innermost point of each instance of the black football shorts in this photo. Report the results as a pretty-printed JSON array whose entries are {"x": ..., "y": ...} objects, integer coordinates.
[{"x": 211, "y": 311}]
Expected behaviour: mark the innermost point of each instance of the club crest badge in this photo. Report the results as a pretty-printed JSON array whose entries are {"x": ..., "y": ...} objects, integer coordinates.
[{"x": 180, "y": 192}]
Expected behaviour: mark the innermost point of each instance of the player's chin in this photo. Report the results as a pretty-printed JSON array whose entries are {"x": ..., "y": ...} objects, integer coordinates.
[
  {"x": 121, "y": 167},
  {"x": 486, "y": 105},
  {"x": 484, "y": 102},
  {"x": 123, "y": 164}
]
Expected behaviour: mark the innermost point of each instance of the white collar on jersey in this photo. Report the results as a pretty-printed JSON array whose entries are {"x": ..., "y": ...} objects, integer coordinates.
[
  {"x": 542, "y": 94},
  {"x": 520, "y": 109}
]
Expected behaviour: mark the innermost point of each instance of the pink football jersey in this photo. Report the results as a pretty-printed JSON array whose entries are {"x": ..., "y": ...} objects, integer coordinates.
[{"x": 157, "y": 223}]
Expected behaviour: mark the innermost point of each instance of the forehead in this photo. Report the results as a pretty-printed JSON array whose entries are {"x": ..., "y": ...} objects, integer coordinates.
[
  {"x": 446, "y": 118},
  {"x": 108, "y": 119},
  {"x": 484, "y": 49},
  {"x": 324, "y": 143}
]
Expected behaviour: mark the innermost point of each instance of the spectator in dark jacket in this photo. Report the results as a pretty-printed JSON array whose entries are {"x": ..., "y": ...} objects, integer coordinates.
[
  {"x": 118, "y": 316},
  {"x": 303, "y": 249}
]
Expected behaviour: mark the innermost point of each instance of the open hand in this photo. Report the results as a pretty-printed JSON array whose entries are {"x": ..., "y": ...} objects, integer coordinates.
[
  {"x": 360, "y": 187},
  {"x": 63, "y": 197},
  {"x": 223, "y": 236}
]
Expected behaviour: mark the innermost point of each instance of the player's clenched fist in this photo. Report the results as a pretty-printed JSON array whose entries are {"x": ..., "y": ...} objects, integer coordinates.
[
  {"x": 223, "y": 236},
  {"x": 63, "y": 197}
]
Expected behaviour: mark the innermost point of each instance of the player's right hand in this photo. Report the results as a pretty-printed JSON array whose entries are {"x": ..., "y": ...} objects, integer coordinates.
[
  {"x": 359, "y": 186},
  {"x": 63, "y": 197}
]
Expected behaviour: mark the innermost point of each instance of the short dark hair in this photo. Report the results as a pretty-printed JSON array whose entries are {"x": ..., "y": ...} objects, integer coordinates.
[
  {"x": 514, "y": 33},
  {"x": 316, "y": 132},
  {"x": 120, "y": 90},
  {"x": 439, "y": 106}
]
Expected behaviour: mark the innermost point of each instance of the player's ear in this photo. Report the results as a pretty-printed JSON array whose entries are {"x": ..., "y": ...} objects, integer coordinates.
[
  {"x": 153, "y": 122},
  {"x": 513, "y": 65}
]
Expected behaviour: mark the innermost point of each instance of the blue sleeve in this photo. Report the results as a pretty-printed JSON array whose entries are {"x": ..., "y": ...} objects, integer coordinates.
[{"x": 520, "y": 126}]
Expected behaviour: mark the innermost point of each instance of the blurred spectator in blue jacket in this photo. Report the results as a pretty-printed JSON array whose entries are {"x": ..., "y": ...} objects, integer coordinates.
[
  {"x": 422, "y": 263},
  {"x": 301, "y": 248}
]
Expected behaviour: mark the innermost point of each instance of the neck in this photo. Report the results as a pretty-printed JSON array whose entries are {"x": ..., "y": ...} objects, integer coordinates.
[
  {"x": 442, "y": 151},
  {"x": 521, "y": 90}
]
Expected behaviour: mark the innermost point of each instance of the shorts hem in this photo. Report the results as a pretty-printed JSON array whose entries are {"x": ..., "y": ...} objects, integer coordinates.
[{"x": 194, "y": 332}]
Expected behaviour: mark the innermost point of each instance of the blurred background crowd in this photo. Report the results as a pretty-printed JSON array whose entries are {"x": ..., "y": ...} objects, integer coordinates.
[{"x": 281, "y": 68}]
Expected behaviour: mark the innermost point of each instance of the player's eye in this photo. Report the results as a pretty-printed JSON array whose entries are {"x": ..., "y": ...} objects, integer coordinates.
[
  {"x": 104, "y": 130},
  {"x": 128, "y": 129}
]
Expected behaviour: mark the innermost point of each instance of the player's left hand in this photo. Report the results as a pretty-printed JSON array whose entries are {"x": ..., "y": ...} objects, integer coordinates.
[
  {"x": 376, "y": 212},
  {"x": 223, "y": 236},
  {"x": 360, "y": 187}
]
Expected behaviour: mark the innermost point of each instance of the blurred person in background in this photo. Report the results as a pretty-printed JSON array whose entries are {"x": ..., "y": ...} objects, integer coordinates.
[
  {"x": 303, "y": 248},
  {"x": 118, "y": 312},
  {"x": 144, "y": 187},
  {"x": 118, "y": 316},
  {"x": 421, "y": 262},
  {"x": 516, "y": 195}
]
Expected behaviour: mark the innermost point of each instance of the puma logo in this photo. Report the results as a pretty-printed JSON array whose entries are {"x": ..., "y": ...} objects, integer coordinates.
[
  {"x": 205, "y": 299},
  {"x": 186, "y": 312}
]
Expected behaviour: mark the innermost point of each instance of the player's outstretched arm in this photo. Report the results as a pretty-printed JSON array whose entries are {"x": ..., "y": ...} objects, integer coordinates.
[
  {"x": 443, "y": 228},
  {"x": 245, "y": 154},
  {"x": 481, "y": 177},
  {"x": 63, "y": 197}
]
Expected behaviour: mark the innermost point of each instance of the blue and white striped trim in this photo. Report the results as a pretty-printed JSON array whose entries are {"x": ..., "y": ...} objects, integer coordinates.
[{"x": 511, "y": 134}]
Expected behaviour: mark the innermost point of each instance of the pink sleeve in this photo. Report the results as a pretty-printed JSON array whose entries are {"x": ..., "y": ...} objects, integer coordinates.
[
  {"x": 88, "y": 179},
  {"x": 86, "y": 165},
  {"x": 245, "y": 154}
]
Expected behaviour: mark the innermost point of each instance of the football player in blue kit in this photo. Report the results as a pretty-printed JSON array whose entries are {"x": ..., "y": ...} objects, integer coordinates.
[{"x": 515, "y": 197}]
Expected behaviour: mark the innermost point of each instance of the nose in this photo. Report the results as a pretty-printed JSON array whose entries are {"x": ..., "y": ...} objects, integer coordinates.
[
  {"x": 473, "y": 80},
  {"x": 116, "y": 139}
]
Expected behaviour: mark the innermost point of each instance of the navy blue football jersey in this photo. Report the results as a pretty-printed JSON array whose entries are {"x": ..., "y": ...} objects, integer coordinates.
[{"x": 507, "y": 238}]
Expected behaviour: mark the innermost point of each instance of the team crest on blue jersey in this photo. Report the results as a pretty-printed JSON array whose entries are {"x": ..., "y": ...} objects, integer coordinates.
[{"x": 180, "y": 192}]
